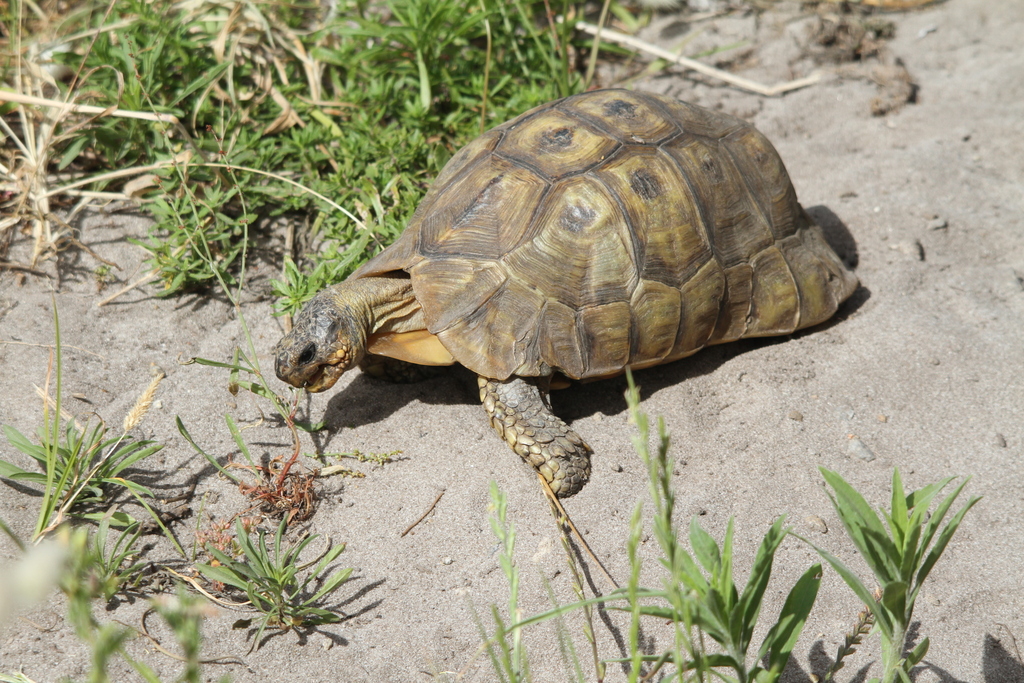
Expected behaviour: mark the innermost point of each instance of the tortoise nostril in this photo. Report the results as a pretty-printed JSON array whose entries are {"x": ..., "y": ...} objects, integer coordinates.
[{"x": 307, "y": 354}]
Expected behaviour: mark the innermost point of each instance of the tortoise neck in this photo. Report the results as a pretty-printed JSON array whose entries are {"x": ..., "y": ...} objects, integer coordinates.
[{"x": 382, "y": 304}]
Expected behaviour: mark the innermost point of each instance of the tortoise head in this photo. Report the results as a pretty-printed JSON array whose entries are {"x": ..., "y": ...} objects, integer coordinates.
[{"x": 326, "y": 340}]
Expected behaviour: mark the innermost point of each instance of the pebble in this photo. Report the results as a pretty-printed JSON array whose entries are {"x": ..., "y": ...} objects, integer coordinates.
[
  {"x": 796, "y": 415},
  {"x": 616, "y": 467},
  {"x": 860, "y": 449},
  {"x": 910, "y": 248},
  {"x": 999, "y": 441},
  {"x": 938, "y": 224},
  {"x": 816, "y": 523},
  {"x": 446, "y": 560}
]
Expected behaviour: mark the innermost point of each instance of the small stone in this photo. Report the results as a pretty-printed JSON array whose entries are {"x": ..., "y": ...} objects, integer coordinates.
[
  {"x": 326, "y": 643},
  {"x": 938, "y": 224},
  {"x": 933, "y": 361},
  {"x": 910, "y": 248},
  {"x": 816, "y": 523},
  {"x": 446, "y": 560},
  {"x": 999, "y": 441},
  {"x": 616, "y": 467},
  {"x": 860, "y": 449},
  {"x": 796, "y": 415},
  {"x": 883, "y": 418}
]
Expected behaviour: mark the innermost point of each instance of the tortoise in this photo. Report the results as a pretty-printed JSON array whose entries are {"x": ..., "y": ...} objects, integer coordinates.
[{"x": 608, "y": 230}]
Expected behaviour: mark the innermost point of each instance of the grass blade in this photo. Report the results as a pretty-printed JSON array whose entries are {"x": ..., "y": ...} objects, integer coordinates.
[
  {"x": 213, "y": 461},
  {"x": 782, "y": 638},
  {"x": 882, "y": 618}
]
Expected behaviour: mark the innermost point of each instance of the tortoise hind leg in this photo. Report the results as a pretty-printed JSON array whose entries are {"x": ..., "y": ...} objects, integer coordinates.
[
  {"x": 398, "y": 371},
  {"x": 519, "y": 412}
]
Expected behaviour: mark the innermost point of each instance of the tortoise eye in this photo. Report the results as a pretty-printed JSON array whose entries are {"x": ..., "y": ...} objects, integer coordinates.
[{"x": 308, "y": 354}]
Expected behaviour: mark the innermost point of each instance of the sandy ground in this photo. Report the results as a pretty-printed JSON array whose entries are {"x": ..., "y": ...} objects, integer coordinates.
[{"x": 924, "y": 368}]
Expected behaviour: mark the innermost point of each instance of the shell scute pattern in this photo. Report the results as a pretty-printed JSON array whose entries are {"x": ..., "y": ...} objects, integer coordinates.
[
  {"x": 736, "y": 228},
  {"x": 582, "y": 236},
  {"x": 612, "y": 229},
  {"x": 667, "y": 227},
  {"x": 482, "y": 214},
  {"x": 629, "y": 117},
  {"x": 555, "y": 145}
]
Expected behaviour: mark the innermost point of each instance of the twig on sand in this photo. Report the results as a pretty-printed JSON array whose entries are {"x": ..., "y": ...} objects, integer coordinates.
[
  {"x": 148, "y": 277},
  {"x": 424, "y": 515},
  {"x": 9, "y": 265},
  {"x": 694, "y": 65}
]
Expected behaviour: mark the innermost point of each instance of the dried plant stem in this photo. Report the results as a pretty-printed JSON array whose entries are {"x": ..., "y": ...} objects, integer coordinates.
[
  {"x": 563, "y": 516},
  {"x": 21, "y": 267},
  {"x": 424, "y": 515},
  {"x": 577, "y": 587},
  {"x": 52, "y": 405},
  {"x": 69, "y": 107},
  {"x": 596, "y": 46},
  {"x": 694, "y": 65}
]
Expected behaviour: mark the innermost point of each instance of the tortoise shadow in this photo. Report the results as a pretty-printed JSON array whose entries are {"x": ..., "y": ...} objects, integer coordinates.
[{"x": 368, "y": 400}]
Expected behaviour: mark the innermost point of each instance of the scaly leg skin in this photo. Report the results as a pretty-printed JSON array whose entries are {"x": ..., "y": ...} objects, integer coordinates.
[
  {"x": 519, "y": 412},
  {"x": 398, "y": 371}
]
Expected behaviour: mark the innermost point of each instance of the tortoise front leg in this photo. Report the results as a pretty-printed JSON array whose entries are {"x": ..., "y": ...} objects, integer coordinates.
[{"x": 519, "y": 412}]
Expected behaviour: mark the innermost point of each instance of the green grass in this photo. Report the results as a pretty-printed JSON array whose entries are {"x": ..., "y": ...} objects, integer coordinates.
[
  {"x": 285, "y": 111},
  {"x": 81, "y": 465}
]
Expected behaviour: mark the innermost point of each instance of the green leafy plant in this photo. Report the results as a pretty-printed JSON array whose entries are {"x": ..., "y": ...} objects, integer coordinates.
[
  {"x": 699, "y": 595},
  {"x": 269, "y": 576},
  {"x": 78, "y": 563},
  {"x": 901, "y": 548},
  {"x": 109, "y": 570}
]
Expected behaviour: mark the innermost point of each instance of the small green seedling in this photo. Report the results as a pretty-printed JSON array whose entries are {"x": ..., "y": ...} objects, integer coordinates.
[
  {"x": 270, "y": 579},
  {"x": 900, "y": 553},
  {"x": 109, "y": 571}
]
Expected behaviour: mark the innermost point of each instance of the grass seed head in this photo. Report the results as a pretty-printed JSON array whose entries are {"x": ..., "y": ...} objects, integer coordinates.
[{"x": 143, "y": 404}]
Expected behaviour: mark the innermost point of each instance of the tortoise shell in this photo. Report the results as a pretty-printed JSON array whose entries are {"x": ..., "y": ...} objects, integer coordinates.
[{"x": 608, "y": 230}]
